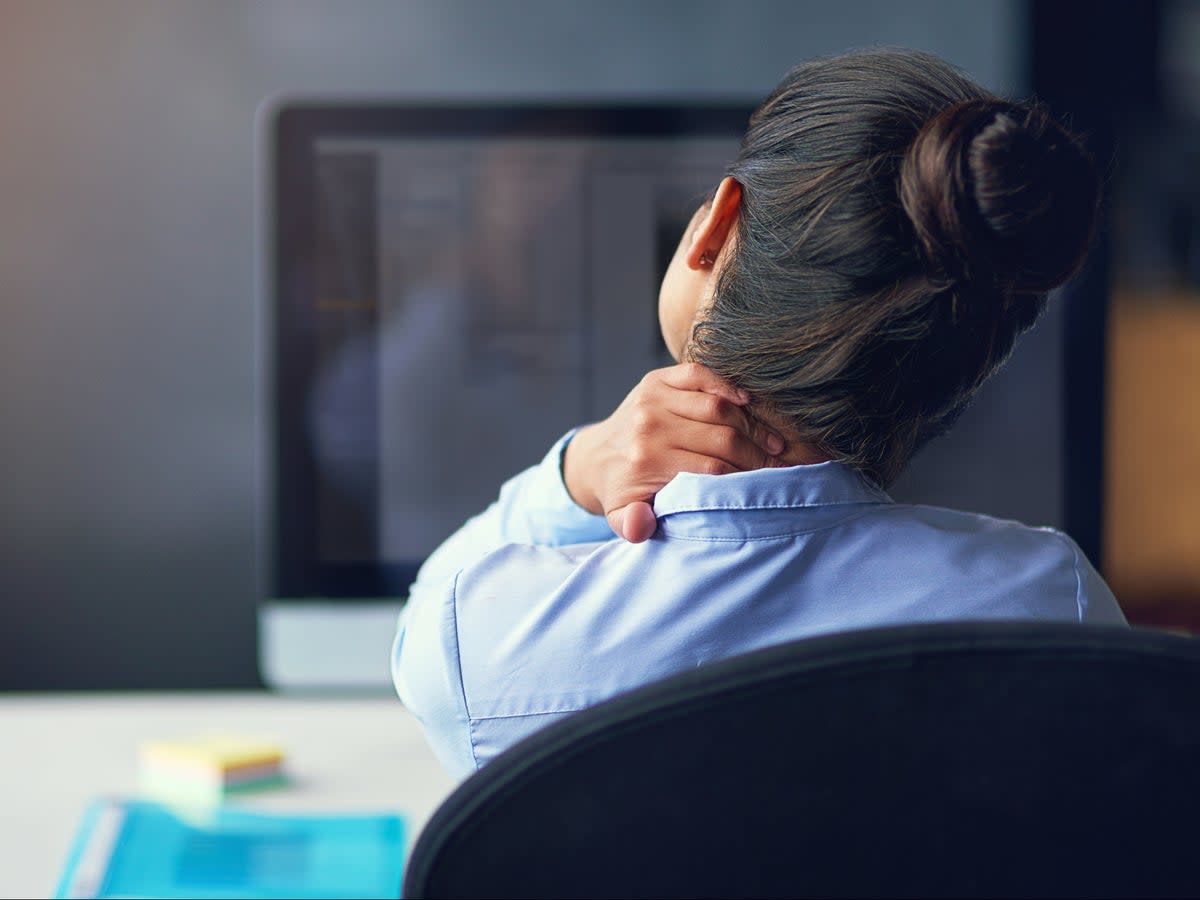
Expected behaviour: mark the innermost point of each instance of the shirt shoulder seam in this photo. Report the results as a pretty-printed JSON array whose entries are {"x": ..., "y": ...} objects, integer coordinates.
[
  {"x": 1073, "y": 547},
  {"x": 744, "y": 539},
  {"x": 462, "y": 687},
  {"x": 723, "y": 507}
]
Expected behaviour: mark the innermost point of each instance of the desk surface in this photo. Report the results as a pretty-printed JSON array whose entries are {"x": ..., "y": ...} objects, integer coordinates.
[{"x": 57, "y": 752}]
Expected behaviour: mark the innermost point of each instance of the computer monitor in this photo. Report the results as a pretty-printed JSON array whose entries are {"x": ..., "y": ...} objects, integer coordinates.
[{"x": 447, "y": 289}]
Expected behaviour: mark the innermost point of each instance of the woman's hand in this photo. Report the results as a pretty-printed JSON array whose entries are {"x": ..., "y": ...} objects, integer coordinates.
[{"x": 679, "y": 419}]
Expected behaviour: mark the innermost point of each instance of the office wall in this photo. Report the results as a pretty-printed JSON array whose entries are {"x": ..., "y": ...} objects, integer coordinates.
[{"x": 127, "y": 346}]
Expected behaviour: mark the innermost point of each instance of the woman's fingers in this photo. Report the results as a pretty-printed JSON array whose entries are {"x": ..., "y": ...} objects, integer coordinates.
[
  {"x": 728, "y": 449},
  {"x": 694, "y": 392},
  {"x": 710, "y": 409},
  {"x": 635, "y": 520},
  {"x": 705, "y": 463},
  {"x": 695, "y": 377},
  {"x": 678, "y": 419}
]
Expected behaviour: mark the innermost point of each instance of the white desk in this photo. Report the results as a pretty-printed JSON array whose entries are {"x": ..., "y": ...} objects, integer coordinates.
[{"x": 57, "y": 752}]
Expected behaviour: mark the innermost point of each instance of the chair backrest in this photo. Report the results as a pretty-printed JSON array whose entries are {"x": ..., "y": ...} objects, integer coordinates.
[{"x": 982, "y": 759}]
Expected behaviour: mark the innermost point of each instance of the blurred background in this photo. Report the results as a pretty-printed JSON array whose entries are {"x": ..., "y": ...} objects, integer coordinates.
[{"x": 128, "y": 365}]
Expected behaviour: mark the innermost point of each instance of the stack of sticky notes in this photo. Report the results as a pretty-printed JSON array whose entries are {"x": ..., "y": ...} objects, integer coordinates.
[{"x": 210, "y": 767}]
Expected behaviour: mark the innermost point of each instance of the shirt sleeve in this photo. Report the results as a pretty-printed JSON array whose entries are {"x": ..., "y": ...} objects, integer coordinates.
[
  {"x": 428, "y": 677},
  {"x": 533, "y": 508}
]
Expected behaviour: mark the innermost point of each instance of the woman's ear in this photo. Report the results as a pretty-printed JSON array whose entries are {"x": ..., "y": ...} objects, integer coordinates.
[{"x": 716, "y": 225}]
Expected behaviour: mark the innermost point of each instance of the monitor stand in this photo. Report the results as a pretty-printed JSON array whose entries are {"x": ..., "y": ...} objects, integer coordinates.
[{"x": 327, "y": 646}]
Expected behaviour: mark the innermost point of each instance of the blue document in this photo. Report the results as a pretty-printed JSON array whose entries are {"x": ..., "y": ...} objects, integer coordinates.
[{"x": 133, "y": 848}]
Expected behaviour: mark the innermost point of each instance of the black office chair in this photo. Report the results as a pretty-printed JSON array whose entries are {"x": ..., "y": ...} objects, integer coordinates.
[{"x": 987, "y": 759}]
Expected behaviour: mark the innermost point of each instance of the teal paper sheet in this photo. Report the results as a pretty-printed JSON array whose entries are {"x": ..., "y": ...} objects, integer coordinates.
[{"x": 134, "y": 848}]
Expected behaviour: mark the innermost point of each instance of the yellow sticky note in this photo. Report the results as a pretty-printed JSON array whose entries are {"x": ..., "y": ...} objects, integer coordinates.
[{"x": 218, "y": 752}]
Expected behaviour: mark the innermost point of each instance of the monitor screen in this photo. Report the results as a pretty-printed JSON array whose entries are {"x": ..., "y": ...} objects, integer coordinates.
[{"x": 455, "y": 287}]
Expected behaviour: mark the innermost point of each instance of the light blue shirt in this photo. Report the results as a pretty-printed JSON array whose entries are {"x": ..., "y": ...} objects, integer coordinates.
[{"x": 534, "y": 610}]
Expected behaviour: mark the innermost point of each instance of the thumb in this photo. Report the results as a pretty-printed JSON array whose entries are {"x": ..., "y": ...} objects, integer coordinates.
[{"x": 635, "y": 522}]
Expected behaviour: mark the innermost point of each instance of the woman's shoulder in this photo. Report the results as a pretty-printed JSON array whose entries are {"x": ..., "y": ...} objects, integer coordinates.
[
  {"x": 974, "y": 544},
  {"x": 520, "y": 571},
  {"x": 946, "y": 520}
]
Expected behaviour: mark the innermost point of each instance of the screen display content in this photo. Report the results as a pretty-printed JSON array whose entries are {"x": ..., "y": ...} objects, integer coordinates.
[{"x": 464, "y": 299}]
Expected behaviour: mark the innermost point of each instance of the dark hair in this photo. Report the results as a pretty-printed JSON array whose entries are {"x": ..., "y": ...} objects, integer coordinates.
[{"x": 899, "y": 228}]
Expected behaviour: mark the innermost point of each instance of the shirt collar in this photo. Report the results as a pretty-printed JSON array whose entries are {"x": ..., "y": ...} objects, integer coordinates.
[{"x": 822, "y": 484}]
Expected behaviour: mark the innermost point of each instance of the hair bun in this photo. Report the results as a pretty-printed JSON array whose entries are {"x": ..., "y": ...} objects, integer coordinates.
[{"x": 999, "y": 193}]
